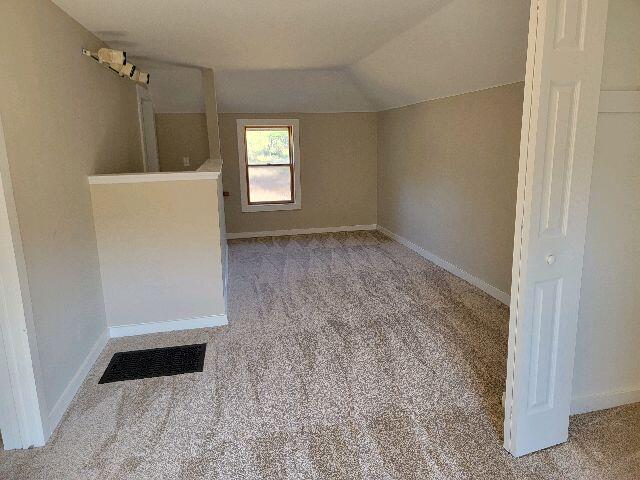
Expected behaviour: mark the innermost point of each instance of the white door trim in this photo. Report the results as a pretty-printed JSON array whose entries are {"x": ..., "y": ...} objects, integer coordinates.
[
  {"x": 142, "y": 93},
  {"x": 18, "y": 346},
  {"x": 294, "y": 125},
  {"x": 562, "y": 90},
  {"x": 144, "y": 96}
]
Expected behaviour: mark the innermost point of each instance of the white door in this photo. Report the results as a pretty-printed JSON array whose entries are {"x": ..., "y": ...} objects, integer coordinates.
[{"x": 562, "y": 89}]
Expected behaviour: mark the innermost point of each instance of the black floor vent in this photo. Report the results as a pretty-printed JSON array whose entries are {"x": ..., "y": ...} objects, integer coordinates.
[{"x": 156, "y": 362}]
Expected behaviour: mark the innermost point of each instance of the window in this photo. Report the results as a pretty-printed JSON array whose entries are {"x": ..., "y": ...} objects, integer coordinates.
[{"x": 269, "y": 158}]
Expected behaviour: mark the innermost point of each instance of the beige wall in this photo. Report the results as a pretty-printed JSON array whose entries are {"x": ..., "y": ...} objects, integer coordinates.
[
  {"x": 621, "y": 68},
  {"x": 338, "y": 173},
  {"x": 64, "y": 117},
  {"x": 607, "y": 350},
  {"x": 181, "y": 135},
  {"x": 159, "y": 245},
  {"x": 447, "y": 178}
]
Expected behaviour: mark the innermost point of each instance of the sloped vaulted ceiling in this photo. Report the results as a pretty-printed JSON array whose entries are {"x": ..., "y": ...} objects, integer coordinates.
[
  {"x": 465, "y": 46},
  {"x": 323, "y": 56}
]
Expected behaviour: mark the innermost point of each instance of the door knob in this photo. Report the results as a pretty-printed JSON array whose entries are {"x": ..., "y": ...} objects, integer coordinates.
[{"x": 551, "y": 259}]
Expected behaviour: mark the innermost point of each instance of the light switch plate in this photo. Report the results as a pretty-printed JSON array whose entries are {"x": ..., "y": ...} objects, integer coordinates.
[{"x": 185, "y": 161}]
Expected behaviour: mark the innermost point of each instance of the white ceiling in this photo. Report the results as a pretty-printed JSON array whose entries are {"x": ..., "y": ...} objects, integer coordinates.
[
  {"x": 317, "y": 55},
  {"x": 465, "y": 46},
  {"x": 249, "y": 34}
]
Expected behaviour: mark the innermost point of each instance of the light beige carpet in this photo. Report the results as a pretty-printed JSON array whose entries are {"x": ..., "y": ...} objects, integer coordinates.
[{"x": 347, "y": 357}]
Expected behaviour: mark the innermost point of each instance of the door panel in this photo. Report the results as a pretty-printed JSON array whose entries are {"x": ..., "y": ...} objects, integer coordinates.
[{"x": 562, "y": 88}]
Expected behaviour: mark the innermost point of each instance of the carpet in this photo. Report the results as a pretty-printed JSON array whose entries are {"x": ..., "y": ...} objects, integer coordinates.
[{"x": 347, "y": 356}]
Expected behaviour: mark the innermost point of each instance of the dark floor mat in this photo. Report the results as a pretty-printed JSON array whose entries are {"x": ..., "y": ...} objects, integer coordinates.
[{"x": 156, "y": 362}]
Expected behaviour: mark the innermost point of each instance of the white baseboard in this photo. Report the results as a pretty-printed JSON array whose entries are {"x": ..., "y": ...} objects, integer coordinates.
[
  {"x": 59, "y": 409},
  {"x": 458, "y": 272},
  {"x": 602, "y": 401},
  {"x": 301, "y": 231},
  {"x": 167, "y": 326}
]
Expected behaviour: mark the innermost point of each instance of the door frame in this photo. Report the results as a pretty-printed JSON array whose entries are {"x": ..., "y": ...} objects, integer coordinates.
[
  {"x": 523, "y": 371},
  {"x": 23, "y": 414},
  {"x": 143, "y": 95}
]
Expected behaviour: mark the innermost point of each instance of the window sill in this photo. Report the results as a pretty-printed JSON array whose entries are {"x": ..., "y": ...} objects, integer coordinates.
[{"x": 271, "y": 207}]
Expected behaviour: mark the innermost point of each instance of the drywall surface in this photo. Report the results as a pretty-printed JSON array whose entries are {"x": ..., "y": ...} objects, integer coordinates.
[
  {"x": 460, "y": 46},
  {"x": 251, "y": 34},
  {"x": 181, "y": 135},
  {"x": 464, "y": 46},
  {"x": 338, "y": 173},
  {"x": 447, "y": 178},
  {"x": 173, "y": 88},
  {"x": 314, "y": 91},
  {"x": 360, "y": 55},
  {"x": 159, "y": 245},
  {"x": 607, "y": 364},
  {"x": 621, "y": 69},
  {"x": 65, "y": 117}
]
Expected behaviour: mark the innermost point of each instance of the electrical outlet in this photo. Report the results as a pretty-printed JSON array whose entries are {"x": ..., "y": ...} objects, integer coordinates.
[{"x": 185, "y": 161}]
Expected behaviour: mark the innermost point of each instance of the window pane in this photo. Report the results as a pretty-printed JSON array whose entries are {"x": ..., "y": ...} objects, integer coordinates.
[
  {"x": 267, "y": 145},
  {"x": 269, "y": 184}
]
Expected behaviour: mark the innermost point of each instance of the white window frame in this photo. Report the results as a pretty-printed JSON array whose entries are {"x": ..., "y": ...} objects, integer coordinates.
[{"x": 294, "y": 124}]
